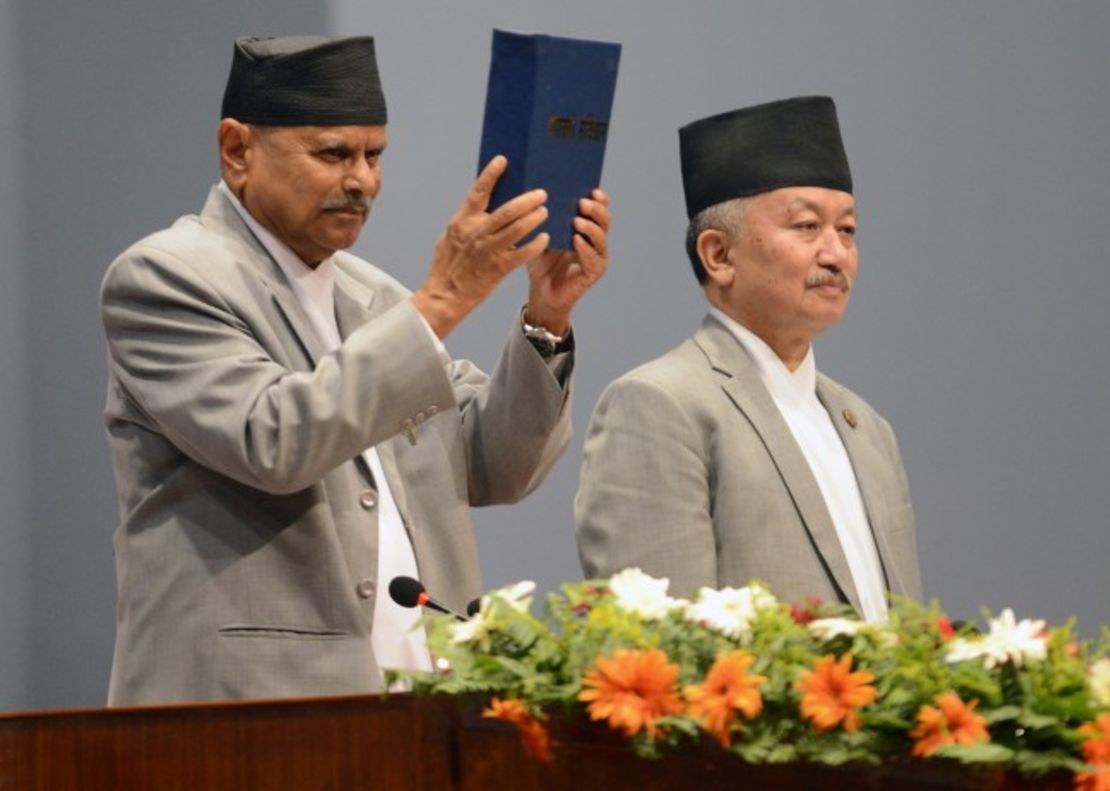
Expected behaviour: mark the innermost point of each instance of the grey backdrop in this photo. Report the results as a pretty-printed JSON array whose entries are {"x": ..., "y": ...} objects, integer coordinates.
[{"x": 979, "y": 327}]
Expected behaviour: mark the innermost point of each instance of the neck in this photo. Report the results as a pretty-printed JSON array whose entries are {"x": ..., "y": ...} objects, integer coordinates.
[
  {"x": 240, "y": 196},
  {"x": 791, "y": 354},
  {"x": 791, "y": 347}
]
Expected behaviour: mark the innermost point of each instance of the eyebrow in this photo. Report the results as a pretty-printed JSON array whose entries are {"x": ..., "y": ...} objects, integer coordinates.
[
  {"x": 344, "y": 145},
  {"x": 800, "y": 204}
]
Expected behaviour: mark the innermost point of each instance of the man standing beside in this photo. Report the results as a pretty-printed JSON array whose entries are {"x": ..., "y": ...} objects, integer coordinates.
[
  {"x": 287, "y": 431},
  {"x": 731, "y": 458}
]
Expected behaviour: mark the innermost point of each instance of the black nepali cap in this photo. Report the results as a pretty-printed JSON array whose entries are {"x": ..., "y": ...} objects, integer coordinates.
[
  {"x": 305, "y": 81},
  {"x": 788, "y": 143}
]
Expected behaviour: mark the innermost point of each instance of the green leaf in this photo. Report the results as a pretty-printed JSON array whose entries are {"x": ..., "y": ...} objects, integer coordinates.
[
  {"x": 1032, "y": 720},
  {"x": 1001, "y": 714},
  {"x": 1037, "y": 763},
  {"x": 985, "y": 753}
]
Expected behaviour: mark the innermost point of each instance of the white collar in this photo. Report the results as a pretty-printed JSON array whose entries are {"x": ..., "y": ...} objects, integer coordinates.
[
  {"x": 310, "y": 284},
  {"x": 784, "y": 384},
  {"x": 315, "y": 288}
]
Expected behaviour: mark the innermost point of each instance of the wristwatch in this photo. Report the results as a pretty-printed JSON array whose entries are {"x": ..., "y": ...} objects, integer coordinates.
[{"x": 547, "y": 343}]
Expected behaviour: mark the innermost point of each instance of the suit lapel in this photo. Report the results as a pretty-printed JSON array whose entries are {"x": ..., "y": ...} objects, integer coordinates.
[
  {"x": 354, "y": 303},
  {"x": 354, "y": 307},
  {"x": 867, "y": 461},
  {"x": 290, "y": 307},
  {"x": 219, "y": 211},
  {"x": 741, "y": 382}
]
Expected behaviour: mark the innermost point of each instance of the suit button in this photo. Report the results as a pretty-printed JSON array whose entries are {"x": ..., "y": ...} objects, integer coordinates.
[
  {"x": 420, "y": 418},
  {"x": 365, "y": 588},
  {"x": 368, "y": 499},
  {"x": 433, "y": 410}
]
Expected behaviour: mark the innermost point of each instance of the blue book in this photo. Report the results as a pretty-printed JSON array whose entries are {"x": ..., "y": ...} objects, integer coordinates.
[{"x": 547, "y": 110}]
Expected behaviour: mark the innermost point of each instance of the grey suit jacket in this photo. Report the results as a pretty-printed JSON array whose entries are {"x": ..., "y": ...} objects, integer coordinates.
[
  {"x": 691, "y": 473},
  {"x": 246, "y": 551}
]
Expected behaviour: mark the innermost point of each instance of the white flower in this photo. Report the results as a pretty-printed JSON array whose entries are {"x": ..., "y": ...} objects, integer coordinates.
[
  {"x": 828, "y": 628},
  {"x": 478, "y": 626},
  {"x": 646, "y": 596},
  {"x": 1099, "y": 679},
  {"x": 962, "y": 649},
  {"x": 1008, "y": 641},
  {"x": 517, "y": 596},
  {"x": 730, "y": 610},
  {"x": 471, "y": 630}
]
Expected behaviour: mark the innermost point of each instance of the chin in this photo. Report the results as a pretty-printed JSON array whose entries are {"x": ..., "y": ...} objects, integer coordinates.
[{"x": 342, "y": 242}]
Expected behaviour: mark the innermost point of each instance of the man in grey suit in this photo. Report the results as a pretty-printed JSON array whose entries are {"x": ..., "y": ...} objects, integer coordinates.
[
  {"x": 287, "y": 431},
  {"x": 730, "y": 458}
]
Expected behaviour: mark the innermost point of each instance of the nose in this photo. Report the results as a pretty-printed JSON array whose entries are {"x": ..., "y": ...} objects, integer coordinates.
[
  {"x": 833, "y": 252},
  {"x": 361, "y": 179}
]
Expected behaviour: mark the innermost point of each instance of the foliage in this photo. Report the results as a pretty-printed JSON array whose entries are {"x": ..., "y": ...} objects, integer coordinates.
[{"x": 775, "y": 682}]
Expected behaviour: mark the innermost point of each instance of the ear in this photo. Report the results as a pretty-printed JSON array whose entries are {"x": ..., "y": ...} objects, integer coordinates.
[
  {"x": 713, "y": 250},
  {"x": 235, "y": 140}
]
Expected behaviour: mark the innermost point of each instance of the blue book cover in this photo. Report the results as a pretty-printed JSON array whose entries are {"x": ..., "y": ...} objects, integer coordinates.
[{"x": 547, "y": 110}]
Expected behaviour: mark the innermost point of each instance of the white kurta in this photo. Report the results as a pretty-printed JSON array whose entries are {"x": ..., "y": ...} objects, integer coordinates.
[{"x": 795, "y": 395}]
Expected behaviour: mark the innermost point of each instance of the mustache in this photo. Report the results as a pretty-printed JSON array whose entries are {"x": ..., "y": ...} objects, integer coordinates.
[
  {"x": 829, "y": 277},
  {"x": 347, "y": 203}
]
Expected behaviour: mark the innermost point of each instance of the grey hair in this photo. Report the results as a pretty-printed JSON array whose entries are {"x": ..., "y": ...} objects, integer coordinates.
[{"x": 728, "y": 216}]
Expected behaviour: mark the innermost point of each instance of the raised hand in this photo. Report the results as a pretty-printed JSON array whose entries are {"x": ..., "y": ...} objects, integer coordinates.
[
  {"x": 478, "y": 249},
  {"x": 559, "y": 278}
]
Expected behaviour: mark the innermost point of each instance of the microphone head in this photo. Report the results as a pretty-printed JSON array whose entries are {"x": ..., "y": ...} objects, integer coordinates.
[
  {"x": 473, "y": 608},
  {"x": 406, "y": 591}
]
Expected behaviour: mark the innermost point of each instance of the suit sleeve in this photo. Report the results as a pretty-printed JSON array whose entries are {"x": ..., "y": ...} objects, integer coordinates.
[
  {"x": 198, "y": 371},
  {"x": 644, "y": 497},
  {"x": 516, "y": 422}
]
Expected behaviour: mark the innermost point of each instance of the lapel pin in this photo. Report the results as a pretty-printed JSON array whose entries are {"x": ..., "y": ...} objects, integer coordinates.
[{"x": 850, "y": 418}]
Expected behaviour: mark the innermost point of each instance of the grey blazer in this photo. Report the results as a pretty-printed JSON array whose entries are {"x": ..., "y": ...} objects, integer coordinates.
[
  {"x": 691, "y": 473},
  {"x": 246, "y": 551}
]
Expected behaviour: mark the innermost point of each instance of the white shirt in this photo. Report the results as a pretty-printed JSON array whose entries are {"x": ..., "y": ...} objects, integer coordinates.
[
  {"x": 795, "y": 395},
  {"x": 395, "y": 641}
]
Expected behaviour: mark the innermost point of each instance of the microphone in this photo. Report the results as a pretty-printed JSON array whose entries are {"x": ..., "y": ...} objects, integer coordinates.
[
  {"x": 409, "y": 592},
  {"x": 474, "y": 607}
]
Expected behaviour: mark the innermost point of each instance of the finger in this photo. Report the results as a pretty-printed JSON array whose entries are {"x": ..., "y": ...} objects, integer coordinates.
[
  {"x": 531, "y": 251},
  {"x": 592, "y": 233},
  {"x": 512, "y": 233},
  {"x": 598, "y": 211},
  {"x": 516, "y": 208},
  {"x": 592, "y": 263},
  {"x": 601, "y": 196},
  {"x": 478, "y": 197}
]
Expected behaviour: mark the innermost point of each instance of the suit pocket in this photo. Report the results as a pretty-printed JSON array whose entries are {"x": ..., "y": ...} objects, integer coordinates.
[{"x": 284, "y": 632}]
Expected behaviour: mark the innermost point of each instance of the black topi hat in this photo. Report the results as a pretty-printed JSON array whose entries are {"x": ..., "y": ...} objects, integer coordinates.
[
  {"x": 789, "y": 143},
  {"x": 304, "y": 81}
]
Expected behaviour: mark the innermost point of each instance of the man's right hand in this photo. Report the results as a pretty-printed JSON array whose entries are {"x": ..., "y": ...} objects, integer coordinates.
[{"x": 478, "y": 249}]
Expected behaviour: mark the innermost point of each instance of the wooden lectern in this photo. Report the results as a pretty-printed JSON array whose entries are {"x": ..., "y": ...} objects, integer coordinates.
[{"x": 390, "y": 742}]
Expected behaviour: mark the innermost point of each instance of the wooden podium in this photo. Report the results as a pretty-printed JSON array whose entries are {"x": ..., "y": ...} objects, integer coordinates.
[{"x": 389, "y": 742}]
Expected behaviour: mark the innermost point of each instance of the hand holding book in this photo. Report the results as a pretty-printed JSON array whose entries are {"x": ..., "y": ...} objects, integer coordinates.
[
  {"x": 477, "y": 249},
  {"x": 559, "y": 278}
]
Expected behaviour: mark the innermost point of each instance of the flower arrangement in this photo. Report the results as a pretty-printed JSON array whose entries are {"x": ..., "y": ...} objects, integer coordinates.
[{"x": 774, "y": 682}]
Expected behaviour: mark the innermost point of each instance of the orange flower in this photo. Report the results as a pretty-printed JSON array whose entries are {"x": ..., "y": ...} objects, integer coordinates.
[
  {"x": 833, "y": 693},
  {"x": 1096, "y": 751},
  {"x": 631, "y": 690},
  {"x": 945, "y": 627},
  {"x": 533, "y": 735},
  {"x": 953, "y": 723},
  {"x": 727, "y": 688}
]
